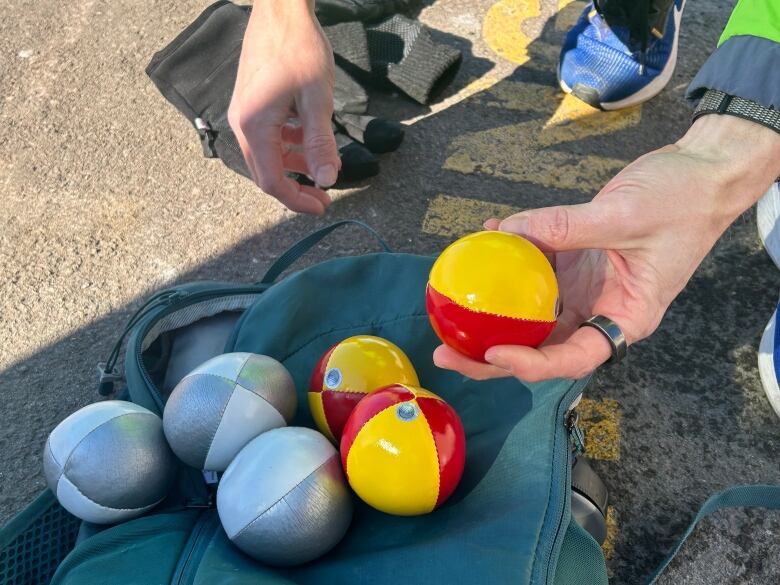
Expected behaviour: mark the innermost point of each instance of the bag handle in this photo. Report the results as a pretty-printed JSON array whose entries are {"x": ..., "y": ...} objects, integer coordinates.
[
  {"x": 738, "y": 496},
  {"x": 301, "y": 247}
]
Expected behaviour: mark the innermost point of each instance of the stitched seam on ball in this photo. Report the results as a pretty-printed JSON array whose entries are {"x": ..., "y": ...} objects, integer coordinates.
[
  {"x": 101, "y": 506},
  {"x": 372, "y": 418},
  {"x": 435, "y": 450},
  {"x": 263, "y": 398},
  {"x": 51, "y": 452},
  {"x": 221, "y": 414},
  {"x": 261, "y": 514},
  {"x": 482, "y": 312},
  {"x": 241, "y": 369},
  {"x": 209, "y": 374},
  {"x": 75, "y": 448},
  {"x": 343, "y": 392},
  {"x": 354, "y": 326}
]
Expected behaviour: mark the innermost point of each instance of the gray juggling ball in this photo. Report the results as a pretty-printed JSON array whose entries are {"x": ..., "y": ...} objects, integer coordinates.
[
  {"x": 109, "y": 462},
  {"x": 284, "y": 499},
  {"x": 223, "y": 404}
]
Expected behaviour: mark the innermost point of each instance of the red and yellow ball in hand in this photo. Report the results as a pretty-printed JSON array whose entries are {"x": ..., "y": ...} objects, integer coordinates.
[
  {"x": 491, "y": 288},
  {"x": 347, "y": 372},
  {"x": 403, "y": 450}
]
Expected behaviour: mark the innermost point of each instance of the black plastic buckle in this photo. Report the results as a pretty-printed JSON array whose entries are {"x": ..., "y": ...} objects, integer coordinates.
[
  {"x": 207, "y": 137},
  {"x": 107, "y": 380}
]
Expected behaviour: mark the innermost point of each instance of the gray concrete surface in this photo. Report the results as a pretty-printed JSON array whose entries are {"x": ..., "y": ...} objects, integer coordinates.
[{"x": 105, "y": 198}]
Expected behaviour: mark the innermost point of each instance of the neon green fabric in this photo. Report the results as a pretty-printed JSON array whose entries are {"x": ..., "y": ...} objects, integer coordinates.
[{"x": 758, "y": 18}]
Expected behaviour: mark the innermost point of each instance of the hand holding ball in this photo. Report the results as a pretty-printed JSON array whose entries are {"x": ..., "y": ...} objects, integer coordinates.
[
  {"x": 491, "y": 288},
  {"x": 108, "y": 462},
  {"x": 223, "y": 404}
]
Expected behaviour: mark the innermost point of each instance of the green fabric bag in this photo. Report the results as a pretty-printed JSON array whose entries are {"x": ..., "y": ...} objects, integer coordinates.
[{"x": 508, "y": 521}]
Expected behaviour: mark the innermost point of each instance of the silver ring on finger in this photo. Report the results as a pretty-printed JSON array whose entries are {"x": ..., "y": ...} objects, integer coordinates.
[{"x": 615, "y": 336}]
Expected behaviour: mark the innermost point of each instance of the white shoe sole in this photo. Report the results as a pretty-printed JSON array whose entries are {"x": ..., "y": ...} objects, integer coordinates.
[
  {"x": 766, "y": 365},
  {"x": 768, "y": 221},
  {"x": 653, "y": 88}
]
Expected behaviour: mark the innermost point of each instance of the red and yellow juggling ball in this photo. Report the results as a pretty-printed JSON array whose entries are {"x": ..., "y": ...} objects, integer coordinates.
[
  {"x": 403, "y": 450},
  {"x": 347, "y": 372},
  {"x": 491, "y": 288}
]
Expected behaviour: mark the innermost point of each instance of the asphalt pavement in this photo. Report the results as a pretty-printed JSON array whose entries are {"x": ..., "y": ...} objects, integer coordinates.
[{"x": 105, "y": 198}]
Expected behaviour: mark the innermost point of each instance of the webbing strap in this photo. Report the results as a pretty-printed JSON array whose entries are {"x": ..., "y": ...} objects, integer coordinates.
[
  {"x": 301, "y": 247},
  {"x": 738, "y": 496}
]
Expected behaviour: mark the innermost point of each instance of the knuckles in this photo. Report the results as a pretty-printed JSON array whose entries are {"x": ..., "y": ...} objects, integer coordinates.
[
  {"x": 320, "y": 144},
  {"x": 552, "y": 227}
]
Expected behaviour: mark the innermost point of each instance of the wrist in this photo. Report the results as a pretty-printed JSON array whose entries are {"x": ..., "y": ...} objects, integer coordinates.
[
  {"x": 744, "y": 158},
  {"x": 283, "y": 10}
]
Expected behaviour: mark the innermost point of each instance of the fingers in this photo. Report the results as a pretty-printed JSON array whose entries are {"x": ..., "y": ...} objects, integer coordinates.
[
  {"x": 576, "y": 357},
  {"x": 292, "y": 134},
  {"x": 264, "y": 152},
  {"x": 296, "y": 162},
  {"x": 315, "y": 110},
  {"x": 302, "y": 198},
  {"x": 570, "y": 227},
  {"x": 449, "y": 359},
  {"x": 491, "y": 224}
]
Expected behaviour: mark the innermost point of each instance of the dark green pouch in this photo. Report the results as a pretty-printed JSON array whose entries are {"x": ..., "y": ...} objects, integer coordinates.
[{"x": 508, "y": 521}]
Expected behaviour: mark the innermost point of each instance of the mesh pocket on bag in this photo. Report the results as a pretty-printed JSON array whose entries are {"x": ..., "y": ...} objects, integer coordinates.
[{"x": 31, "y": 557}]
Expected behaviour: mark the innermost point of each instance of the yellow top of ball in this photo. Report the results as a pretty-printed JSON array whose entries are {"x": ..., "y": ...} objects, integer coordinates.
[
  {"x": 368, "y": 362},
  {"x": 499, "y": 273}
]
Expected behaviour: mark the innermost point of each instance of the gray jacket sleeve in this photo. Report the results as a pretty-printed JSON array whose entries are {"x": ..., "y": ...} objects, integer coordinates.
[{"x": 743, "y": 66}]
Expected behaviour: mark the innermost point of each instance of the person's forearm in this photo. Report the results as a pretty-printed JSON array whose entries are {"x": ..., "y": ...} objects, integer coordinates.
[
  {"x": 745, "y": 158},
  {"x": 282, "y": 12}
]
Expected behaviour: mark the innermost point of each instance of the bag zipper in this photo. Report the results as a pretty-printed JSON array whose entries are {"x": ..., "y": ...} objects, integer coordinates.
[
  {"x": 567, "y": 434},
  {"x": 207, "y": 137},
  {"x": 192, "y": 298},
  {"x": 165, "y": 302},
  {"x": 200, "y": 536},
  {"x": 108, "y": 375}
]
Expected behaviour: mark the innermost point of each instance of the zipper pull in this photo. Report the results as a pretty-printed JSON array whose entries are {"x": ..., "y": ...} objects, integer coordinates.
[
  {"x": 207, "y": 137},
  {"x": 195, "y": 504},
  {"x": 108, "y": 375},
  {"x": 107, "y": 379},
  {"x": 576, "y": 436}
]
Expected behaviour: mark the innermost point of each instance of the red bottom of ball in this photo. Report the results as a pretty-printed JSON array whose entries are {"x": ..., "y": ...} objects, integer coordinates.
[{"x": 472, "y": 333}]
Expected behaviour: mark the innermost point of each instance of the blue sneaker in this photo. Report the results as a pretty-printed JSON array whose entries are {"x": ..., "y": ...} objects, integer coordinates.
[
  {"x": 769, "y": 362},
  {"x": 616, "y": 57},
  {"x": 768, "y": 221}
]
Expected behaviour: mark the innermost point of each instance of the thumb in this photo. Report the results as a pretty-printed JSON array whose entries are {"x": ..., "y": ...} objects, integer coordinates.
[
  {"x": 315, "y": 109},
  {"x": 566, "y": 227}
]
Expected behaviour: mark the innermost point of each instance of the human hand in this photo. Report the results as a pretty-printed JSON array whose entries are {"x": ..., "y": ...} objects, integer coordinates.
[
  {"x": 629, "y": 252},
  {"x": 286, "y": 71}
]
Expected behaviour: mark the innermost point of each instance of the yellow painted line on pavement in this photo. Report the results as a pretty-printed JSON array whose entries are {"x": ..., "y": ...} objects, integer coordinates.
[
  {"x": 578, "y": 118},
  {"x": 510, "y": 152},
  {"x": 457, "y": 216},
  {"x": 600, "y": 421},
  {"x": 521, "y": 151},
  {"x": 504, "y": 31},
  {"x": 608, "y": 546}
]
